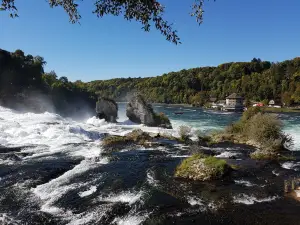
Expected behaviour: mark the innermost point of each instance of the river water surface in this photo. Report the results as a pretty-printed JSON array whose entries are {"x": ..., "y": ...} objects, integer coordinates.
[{"x": 53, "y": 171}]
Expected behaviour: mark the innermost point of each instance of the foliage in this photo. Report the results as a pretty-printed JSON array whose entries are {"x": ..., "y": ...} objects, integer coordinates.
[
  {"x": 23, "y": 75},
  {"x": 185, "y": 132},
  {"x": 203, "y": 139},
  {"x": 266, "y": 155},
  {"x": 256, "y": 80},
  {"x": 114, "y": 140},
  {"x": 147, "y": 12},
  {"x": 265, "y": 130},
  {"x": 161, "y": 118},
  {"x": 250, "y": 112},
  {"x": 135, "y": 137}
]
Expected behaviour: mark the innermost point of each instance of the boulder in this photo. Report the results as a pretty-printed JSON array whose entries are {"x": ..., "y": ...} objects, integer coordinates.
[
  {"x": 107, "y": 109},
  {"x": 138, "y": 111}
]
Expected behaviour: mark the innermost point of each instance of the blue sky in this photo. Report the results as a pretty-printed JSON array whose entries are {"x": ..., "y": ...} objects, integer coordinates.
[{"x": 233, "y": 30}]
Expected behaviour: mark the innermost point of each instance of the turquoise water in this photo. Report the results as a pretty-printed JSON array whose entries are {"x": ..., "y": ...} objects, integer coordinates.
[{"x": 207, "y": 120}]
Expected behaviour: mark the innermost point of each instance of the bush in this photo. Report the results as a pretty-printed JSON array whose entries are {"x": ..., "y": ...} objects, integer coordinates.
[
  {"x": 235, "y": 128},
  {"x": 202, "y": 138},
  {"x": 250, "y": 112},
  {"x": 262, "y": 130},
  {"x": 266, "y": 130},
  {"x": 185, "y": 132}
]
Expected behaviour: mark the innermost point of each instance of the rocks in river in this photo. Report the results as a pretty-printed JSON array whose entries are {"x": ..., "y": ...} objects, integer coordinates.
[
  {"x": 138, "y": 111},
  {"x": 107, "y": 109},
  {"x": 136, "y": 137},
  {"x": 201, "y": 167}
]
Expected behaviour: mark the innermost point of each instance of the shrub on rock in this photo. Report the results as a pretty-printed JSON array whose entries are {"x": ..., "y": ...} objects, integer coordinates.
[
  {"x": 185, "y": 132},
  {"x": 264, "y": 131},
  {"x": 202, "y": 167},
  {"x": 116, "y": 143}
]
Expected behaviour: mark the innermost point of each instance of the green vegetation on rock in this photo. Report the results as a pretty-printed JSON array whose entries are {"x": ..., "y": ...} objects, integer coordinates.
[
  {"x": 136, "y": 137},
  {"x": 185, "y": 132},
  {"x": 162, "y": 119},
  {"x": 201, "y": 167},
  {"x": 261, "y": 130}
]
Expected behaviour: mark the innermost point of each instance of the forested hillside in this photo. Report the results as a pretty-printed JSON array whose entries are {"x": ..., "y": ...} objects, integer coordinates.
[
  {"x": 25, "y": 85},
  {"x": 255, "y": 80}
]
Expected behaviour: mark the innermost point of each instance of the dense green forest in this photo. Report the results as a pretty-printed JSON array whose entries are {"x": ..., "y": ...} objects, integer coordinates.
[
  {"x": 25, "y": 85},
  {"x": 256, "y": 80}
]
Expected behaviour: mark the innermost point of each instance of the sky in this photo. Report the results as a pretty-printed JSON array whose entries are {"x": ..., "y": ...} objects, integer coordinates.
[{"x": 111, "y": 47}]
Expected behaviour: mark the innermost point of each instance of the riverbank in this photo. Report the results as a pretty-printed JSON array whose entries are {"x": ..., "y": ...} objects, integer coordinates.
[
  {"x": 281, "y": 110},
  {"x": 165, "y": 104}
]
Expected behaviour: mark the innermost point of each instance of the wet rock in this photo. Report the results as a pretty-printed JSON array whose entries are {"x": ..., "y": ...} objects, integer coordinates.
[
  {"x": 107, "y": 109},
  {"x": 10, "y": 156},
  {"x": 138, "y": 111}
]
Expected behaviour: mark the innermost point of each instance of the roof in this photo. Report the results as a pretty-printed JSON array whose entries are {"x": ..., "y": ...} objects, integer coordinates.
[
  {"x": 233, "y": 96},
  {"x": 213, "y": 99}
]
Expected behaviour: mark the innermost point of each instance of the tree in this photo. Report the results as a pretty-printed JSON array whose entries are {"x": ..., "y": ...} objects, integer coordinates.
[
  {"x": 287, "y": 99},
  {"x": 19, "y": 53},
  {"x": 147, "y": 12},
  {"x": 296, "y": 95},
  {"x": 63, "y": 80}
]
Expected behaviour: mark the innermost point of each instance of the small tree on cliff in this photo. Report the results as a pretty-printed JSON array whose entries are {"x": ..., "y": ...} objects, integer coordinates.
[{"x": 147, "y": 12}]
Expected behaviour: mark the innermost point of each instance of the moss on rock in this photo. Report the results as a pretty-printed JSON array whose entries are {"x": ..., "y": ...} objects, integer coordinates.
[
  {"x": 116, "y": 143},
  {"x": 202, "y": 167},
  {"x": 267, "y": 155}
]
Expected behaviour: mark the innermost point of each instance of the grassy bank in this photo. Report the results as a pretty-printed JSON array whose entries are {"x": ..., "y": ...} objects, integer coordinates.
[{"x": 282, "y": 110}]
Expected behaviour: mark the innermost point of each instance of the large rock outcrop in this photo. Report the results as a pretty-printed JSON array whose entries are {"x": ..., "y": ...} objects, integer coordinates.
[
  {"x": 138, "y": 111},
  {"x": 107, "y": 109}
]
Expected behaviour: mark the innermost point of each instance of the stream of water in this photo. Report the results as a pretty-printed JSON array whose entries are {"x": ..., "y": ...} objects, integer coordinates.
[{"x": 53, "y": 171}]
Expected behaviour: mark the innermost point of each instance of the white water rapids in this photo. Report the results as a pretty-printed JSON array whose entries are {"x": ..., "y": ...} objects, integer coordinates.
[{"x": 47, "y": 134}]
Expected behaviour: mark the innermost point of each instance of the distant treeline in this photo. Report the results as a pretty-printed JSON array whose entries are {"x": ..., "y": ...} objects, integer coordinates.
[
  {"x": 256, "y": 80},
  {"x": 25, "y": 85},
  {"x": 24, "y": 82}
]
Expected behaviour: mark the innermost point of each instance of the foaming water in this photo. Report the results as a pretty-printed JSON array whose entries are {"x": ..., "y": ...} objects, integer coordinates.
[
  {"x": 125, "y": 197},
  {"x": 55, "y": 170},
  {"x": 250, "y": 200}
]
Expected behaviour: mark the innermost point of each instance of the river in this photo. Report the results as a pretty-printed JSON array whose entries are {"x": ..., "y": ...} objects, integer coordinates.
[{"x": 53, "y": 171}]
